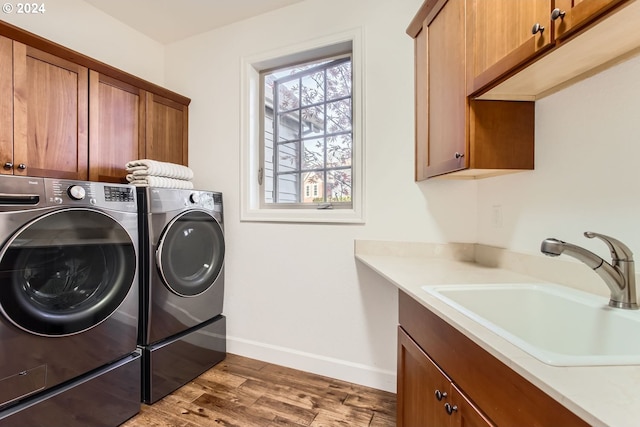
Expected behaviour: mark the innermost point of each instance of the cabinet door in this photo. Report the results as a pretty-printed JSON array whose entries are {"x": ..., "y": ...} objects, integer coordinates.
[
  {"x": 423, "y": 389},
  {"x": 573, "y": 15},
  {"x": 116, "y": 127},
  {"x": 441, "y": 106},
  {"x": 501, "y": 37},
  {"x": 167, "y": 130},
  {"x": 6, "y": 106},
  {"x": 464, "y": 413},
  {"x": 50, "y": 115}
]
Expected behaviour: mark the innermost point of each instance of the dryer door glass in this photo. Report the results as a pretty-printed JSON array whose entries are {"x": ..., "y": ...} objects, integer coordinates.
[
  {"x": 66, "y": 272},
  {"x": 190, "y": 253}
]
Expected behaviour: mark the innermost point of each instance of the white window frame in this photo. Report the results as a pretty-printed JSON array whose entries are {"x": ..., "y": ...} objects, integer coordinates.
[{"x": 250, "y": 130}]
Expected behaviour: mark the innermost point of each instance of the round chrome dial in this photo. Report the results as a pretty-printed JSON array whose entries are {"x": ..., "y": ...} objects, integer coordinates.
[{"x": 76, "y": 192}]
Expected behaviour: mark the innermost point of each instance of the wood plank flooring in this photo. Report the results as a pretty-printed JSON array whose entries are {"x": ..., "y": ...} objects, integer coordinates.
[{"x": 245, "y": 392}]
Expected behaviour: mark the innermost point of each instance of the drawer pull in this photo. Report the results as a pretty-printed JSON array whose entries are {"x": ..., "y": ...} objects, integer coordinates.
[
  {"x": 450, "y": 408},
  {"x": 440, "y": 394},
  {"x": 537, "y": 28},
  {"x": 557, "y": 13}
]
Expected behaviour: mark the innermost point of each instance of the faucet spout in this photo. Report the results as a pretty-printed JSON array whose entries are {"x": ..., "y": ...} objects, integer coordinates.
[{"x": 619, "y": 275}]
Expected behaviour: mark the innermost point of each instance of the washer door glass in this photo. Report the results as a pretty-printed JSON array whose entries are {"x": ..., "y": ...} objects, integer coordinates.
[
  {"x": 190, "y": 254},
  {"x": 66, "y": 272}
]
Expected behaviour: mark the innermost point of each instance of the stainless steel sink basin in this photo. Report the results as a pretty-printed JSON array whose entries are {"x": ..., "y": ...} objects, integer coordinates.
[{"x": 558, "y": 325}]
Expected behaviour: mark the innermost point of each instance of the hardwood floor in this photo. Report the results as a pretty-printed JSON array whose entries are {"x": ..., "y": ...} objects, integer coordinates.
[{"x": 246, "y": 393}]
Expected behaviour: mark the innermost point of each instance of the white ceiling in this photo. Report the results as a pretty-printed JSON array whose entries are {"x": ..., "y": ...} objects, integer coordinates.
[{"x": 167, "y": 21}]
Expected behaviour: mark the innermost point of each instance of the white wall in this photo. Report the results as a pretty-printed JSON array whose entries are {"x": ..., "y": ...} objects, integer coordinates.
[
  {"x": 85, "y": 29},
  {"x": 295, "y": 295},
  {"x": 586, "y": 175}
]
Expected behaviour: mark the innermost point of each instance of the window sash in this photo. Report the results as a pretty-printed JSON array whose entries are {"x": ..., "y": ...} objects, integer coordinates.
[{"x": 298, "y": 170}]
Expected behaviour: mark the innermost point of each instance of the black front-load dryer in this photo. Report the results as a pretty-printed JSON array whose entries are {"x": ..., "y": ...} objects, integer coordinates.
[{"x": 182, "y": 248}]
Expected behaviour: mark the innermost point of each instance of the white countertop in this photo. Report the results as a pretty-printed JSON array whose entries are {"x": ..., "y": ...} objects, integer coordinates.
[{"x": 601, "y": 395}]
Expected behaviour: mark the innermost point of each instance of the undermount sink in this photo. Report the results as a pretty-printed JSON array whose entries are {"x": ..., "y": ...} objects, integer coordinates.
[{"x": 559, "y": 326}]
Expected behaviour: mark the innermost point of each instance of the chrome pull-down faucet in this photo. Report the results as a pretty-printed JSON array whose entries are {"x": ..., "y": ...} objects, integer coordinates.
[{"x": 619, "y": 276}]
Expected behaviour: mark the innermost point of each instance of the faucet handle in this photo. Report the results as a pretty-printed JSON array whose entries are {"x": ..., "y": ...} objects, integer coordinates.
[{"x": 619, "y": 251}]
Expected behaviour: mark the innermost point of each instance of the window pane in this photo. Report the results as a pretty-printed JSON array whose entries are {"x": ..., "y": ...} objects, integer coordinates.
[
  {"x": 312, "y": 121},
  {"x": 288, "y": 188},
  {"x": 339, "y": 81},
  {"x": 339, "y": 185},
  {"x": 313, "y": 180},
  {"x": 288, "y": 95},
  {"x": 313, "y": 88},
  {"x": 339, "y": 150},
  {"x": 313, "y": 154},
  {"x": 287, "y": 157},
  {"x": 289, "y": 126},
  {"x": 339, "y": 116}
]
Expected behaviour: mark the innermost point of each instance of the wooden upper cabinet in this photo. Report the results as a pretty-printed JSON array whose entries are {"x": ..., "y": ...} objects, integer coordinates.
[
  {"x": 50, "y": 115},
  {"x": 116, "y": 127},
  {"x": 441, "y": 106},
  {"x": 6, "y": 106},
  {"x": 167, "y": 130},
  {"x": 504, "y": 34},
  {"x": 572, "y": 15},
  {"x": 455, "y": 135},
  {"x": 66, "y": 115}
]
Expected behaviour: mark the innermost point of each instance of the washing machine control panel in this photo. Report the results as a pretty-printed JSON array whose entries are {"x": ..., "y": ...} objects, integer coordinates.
[{"x": 120, "y": 197}]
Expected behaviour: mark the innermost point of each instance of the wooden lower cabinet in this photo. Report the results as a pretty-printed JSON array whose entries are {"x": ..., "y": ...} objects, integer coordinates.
[
  {"x": 434, "y": 356},
  {"x": 426, "y": 396}
]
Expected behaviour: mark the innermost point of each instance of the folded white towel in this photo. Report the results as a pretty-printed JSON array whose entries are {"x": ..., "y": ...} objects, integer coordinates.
[
  {"x": 159, "y": 181},
  {"x": 147, "y": 167}
]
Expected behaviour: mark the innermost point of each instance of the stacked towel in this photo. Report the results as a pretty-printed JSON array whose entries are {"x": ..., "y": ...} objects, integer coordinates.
[{"x": 153, "y": 173}]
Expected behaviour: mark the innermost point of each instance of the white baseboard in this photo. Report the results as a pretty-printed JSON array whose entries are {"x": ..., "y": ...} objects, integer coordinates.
[{"x": 356, "y": 373}]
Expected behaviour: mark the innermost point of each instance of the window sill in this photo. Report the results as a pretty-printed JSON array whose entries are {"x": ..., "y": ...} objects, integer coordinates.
[{"x": 320, "y": 216}]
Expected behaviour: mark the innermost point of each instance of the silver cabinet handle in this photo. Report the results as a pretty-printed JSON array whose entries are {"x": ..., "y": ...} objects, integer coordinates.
[
  {"x": 440, "y": 394},
  {"x": 8, "y": 165},
  {"x": 22, "y": 166},
  {"x": 537, "y": 28},
  {"x": 458, "y": 155},
  {"x": 557, "y": 13},
  {"x": 450, "y": 408}
]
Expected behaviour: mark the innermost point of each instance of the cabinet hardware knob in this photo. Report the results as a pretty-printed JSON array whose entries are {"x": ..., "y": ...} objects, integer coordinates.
[
  {"x": 458, "y": 155},
  {"x": 440, "y": 394},
  {"x": 8, "y": 165},
  {"x": 557, "y": 13},
  {"x": 450, "y": 408},
  {"x": 537, "y": 28},
  {"x": 22, "y": 166}
]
